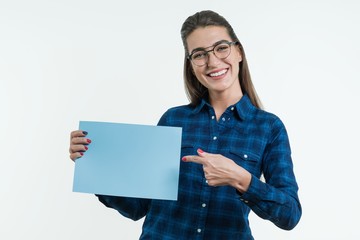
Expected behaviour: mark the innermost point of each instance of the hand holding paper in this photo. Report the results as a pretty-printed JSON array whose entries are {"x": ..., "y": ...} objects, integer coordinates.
[{"x": 78, "y": 144}]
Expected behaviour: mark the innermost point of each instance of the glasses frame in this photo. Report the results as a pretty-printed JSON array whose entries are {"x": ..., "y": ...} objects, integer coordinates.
[{"x": 211, "y": 50}]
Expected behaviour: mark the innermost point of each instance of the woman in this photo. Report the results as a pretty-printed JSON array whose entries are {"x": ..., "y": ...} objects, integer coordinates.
[{"x": 228, "y": 142}]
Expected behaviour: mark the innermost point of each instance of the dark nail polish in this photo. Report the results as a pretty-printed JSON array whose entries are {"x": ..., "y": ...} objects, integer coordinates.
[
  {"x": 88, "y": 140},
  {"x": 81, "y": 154},
  {"x": 86, "y": 148},
  {"x": 85, "y": 132}
]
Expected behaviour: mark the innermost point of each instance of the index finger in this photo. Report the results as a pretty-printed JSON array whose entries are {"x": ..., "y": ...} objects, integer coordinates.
[
  {"x": 193, "y": 158},
  {"x": 78, "y": 133}
]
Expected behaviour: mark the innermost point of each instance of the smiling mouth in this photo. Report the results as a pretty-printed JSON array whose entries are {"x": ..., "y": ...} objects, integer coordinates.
[{"x": 219, "y": 73}]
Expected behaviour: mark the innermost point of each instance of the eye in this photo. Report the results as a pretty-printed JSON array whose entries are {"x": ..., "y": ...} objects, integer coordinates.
[
  {"x": 198, "y": 55},
  {"x": 222, "y": 48}
]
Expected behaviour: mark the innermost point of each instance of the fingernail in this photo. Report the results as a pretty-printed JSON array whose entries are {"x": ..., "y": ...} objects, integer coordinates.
[
  {"x": 200, "y": 151},
  {"x": 85, "y": 132},
  {"x": 81, "y": 154},
  {"x": 88, "y": 140},
  {"x": 86, "y": 148},
  {"x": 184, "y": 159}
]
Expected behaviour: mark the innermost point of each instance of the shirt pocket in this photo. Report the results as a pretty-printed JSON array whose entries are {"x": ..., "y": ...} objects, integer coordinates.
[
  {"x": 246, "y": 159},
  {"x": 190, "y": 149},
  {"x": 187, "y": 149}
]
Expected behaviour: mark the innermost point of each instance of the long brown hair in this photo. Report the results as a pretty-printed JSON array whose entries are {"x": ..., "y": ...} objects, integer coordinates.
[{"x": 194, "y": 89}]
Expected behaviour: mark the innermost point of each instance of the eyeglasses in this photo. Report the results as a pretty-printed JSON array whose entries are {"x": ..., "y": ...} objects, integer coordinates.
[{"x": 201, "y": 56}]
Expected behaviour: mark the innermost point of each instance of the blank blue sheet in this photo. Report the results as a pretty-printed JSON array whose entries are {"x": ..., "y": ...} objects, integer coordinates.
[{"x": 129, "y": 160}]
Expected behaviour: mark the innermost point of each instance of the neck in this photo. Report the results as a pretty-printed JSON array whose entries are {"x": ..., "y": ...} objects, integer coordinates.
[{"x": 220, "y": 102}]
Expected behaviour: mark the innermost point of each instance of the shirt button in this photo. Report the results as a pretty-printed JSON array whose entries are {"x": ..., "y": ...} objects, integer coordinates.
[
  {"x": 223, "y": 119},
  {"x": 245, "y": 156},
  {"x": 203, "y": 205},
  {"x": 212, "y": 117},
  {"x": 232, "y": 108},
  {"x": 214, "y": 138},
  {"x": 199, "y": 230},
  {"x": 245, "y": 201}
]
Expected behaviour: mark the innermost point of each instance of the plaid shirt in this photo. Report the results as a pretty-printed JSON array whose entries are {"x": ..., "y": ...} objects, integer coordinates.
[{"x": 254, "y": 139}]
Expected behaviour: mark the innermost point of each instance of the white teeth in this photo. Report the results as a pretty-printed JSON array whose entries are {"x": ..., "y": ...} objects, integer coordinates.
[{"x": 218, "y": 73}]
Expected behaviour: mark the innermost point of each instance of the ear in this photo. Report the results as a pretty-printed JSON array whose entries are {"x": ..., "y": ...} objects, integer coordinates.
[{"x": 239, "y": 54}]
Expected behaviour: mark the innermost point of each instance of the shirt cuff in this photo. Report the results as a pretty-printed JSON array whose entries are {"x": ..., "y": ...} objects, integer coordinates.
[{"x": 253, "y": 195}]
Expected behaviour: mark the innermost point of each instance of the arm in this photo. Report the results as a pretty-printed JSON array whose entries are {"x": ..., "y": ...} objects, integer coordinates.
[
  {"x": 277, "y": 199},
  {"x": 133, "y": 208}
]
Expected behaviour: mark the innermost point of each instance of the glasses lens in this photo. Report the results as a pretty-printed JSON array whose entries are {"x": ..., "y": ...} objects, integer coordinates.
[
  {"x": 199, "y": 58},
  {"x": 222, "y": 50}
]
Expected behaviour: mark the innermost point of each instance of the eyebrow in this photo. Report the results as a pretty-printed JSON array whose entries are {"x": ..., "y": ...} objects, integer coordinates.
[{"x": 202, "y": 49}]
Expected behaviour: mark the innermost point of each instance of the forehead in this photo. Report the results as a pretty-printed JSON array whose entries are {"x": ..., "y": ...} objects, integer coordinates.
[{"x": 206, "y": 36}]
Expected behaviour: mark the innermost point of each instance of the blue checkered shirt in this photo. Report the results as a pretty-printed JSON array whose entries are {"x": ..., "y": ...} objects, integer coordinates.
[{"x": 254, "y": 139}]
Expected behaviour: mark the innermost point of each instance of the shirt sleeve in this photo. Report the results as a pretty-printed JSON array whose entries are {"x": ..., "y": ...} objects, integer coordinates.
[
  {"x": 276, "y": 199},
  {"x": 133, "y": 208}
]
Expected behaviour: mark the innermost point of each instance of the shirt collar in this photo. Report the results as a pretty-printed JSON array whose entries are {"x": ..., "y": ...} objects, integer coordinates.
[
  {"x": 200, "y": 106},
  {"x": 243, "y": 107}
]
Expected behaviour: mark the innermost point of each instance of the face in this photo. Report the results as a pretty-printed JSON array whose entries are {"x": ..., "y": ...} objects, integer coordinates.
[{"x": 219, "y": 76}]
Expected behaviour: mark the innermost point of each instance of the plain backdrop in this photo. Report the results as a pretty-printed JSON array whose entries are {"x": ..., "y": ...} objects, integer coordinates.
[{"x": 121, "y": 61}]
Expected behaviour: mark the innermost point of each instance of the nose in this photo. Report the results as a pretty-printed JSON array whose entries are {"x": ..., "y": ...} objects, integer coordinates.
[{"x": 213, "y": 60}]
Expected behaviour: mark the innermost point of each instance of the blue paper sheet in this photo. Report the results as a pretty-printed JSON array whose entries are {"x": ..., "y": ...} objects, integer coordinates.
[{"x": 129, "y": 160}]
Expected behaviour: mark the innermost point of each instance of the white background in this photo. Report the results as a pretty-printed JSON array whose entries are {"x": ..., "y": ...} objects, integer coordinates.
[{"x": 70, "y": 60}]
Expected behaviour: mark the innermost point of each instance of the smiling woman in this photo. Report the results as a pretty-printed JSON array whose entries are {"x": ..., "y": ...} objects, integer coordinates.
[{"x": 228, "y": 143}]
